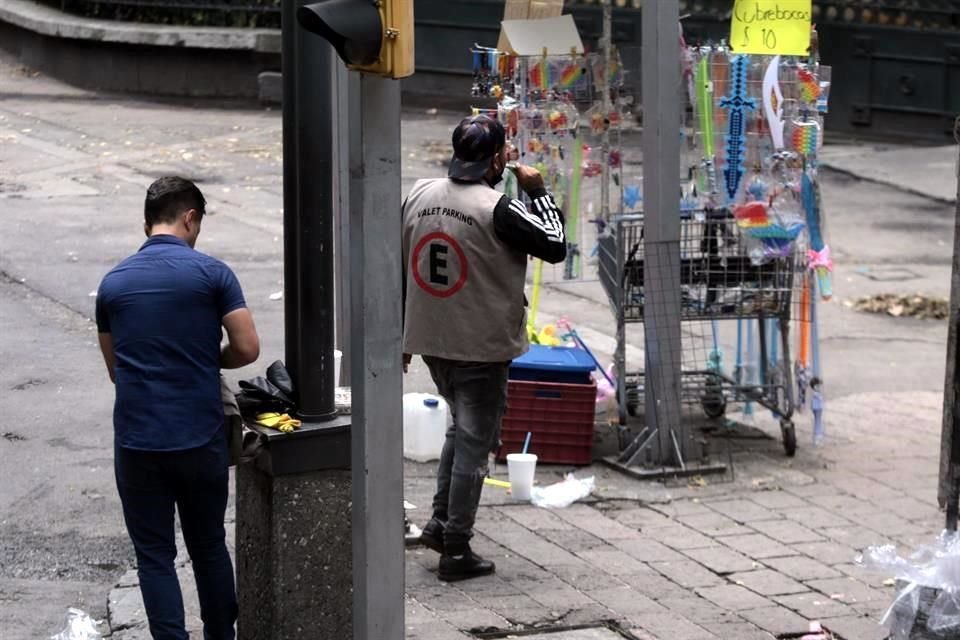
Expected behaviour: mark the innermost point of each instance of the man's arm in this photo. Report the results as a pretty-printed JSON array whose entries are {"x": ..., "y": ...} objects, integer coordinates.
[
  {"x": 538, "y": 231},
  {"x": 243, "y": 343},
  {"x": 106, "y": 348}
]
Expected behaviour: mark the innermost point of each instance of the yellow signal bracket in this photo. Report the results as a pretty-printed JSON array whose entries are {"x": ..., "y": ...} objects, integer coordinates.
[{"x": 397, "y": 46}]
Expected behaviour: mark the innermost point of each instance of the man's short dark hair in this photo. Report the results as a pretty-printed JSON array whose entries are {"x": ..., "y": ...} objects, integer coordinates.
[{"x": 169, "y": 197}]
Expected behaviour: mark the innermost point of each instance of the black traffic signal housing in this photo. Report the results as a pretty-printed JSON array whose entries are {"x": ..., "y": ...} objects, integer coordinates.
[{"x": 371, "y": 36}]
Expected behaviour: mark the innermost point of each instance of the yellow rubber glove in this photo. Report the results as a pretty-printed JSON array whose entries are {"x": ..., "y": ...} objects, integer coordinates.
[{"x": 279, "y": 421}]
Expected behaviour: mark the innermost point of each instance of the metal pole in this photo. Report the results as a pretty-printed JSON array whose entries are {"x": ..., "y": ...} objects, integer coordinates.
[
  {"x": 606, "y": 46},
  {"x": 949, "y": 490},
  {"x": 342, "y": 218},
  {"x": 291, "y": 209},
  {"x": 308, "y": 190},
  {"x": 661, "y": 186},
  {"x": 375, "y": 285}
]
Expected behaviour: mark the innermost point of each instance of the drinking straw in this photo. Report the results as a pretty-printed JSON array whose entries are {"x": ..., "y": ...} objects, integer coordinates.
[{"x": 526, "y": 443}]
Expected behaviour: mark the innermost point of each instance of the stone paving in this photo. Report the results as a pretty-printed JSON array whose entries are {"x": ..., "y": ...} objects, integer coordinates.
[
  {"x": 751, "y": 558},
  {"x": 752, "y": 555}
]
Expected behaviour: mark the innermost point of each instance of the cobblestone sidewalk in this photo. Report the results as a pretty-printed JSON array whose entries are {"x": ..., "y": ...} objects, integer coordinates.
[{"x": 748, "y": 558}]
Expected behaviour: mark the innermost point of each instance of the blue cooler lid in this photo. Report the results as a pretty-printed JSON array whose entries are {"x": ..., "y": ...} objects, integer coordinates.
[{"x": 544, "y": 358}]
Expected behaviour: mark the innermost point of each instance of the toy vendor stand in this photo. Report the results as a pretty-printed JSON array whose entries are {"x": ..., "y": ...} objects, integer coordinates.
[{"x": 728, "y": 267}]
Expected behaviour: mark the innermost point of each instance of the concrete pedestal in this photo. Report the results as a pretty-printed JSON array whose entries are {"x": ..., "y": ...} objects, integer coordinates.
[{"x": 293, "y": 546}]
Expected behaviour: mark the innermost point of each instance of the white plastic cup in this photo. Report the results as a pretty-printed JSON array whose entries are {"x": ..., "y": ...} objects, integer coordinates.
[
  {"x": 521, "y": 468},
  {"x": 337, "y": 358}
]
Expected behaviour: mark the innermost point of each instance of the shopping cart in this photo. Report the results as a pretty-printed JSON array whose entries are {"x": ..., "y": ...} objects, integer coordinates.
[{"x": 725, "y": 274}]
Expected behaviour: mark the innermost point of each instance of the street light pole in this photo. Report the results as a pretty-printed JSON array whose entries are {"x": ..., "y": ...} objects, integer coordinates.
[
  {"x": 310, "y": 173},
  {"x": 294, "y": 549},
  {"x": 377, "y": 375}
]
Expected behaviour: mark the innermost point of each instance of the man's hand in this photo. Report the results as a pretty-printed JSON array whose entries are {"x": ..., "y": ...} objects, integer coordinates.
[{"x": 528, "y": 178}]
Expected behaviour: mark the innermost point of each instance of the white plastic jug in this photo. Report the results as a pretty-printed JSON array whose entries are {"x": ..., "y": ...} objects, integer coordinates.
[{"x": 425, "y": 419}]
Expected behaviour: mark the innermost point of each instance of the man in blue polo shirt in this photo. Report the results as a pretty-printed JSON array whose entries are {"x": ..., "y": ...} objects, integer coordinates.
[{"x": 160, "y": 316}]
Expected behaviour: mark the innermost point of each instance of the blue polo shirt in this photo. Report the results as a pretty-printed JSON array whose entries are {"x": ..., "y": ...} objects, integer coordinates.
[{"x": 163, "y": 307}]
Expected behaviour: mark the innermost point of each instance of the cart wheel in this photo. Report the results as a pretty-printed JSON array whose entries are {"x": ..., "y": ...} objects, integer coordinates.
[
  {"x": 714, "y": 406},
  {"x": 789, "y": 437}
]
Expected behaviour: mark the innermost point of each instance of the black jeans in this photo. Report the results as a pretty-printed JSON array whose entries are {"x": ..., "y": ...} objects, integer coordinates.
[
  {"x": 195, "y": 482},
  {"x": 476, "y": 393}
]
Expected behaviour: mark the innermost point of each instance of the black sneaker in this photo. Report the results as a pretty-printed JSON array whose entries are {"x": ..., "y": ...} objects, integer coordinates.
[
  {"x": 432, "y": 536},
  {"x": 464, "y": 566}
]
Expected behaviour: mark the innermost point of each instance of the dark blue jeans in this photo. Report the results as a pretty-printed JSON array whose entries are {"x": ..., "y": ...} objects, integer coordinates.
[
  {"x": 476, "y": 393},
  {"x": 195, "y": 482}
]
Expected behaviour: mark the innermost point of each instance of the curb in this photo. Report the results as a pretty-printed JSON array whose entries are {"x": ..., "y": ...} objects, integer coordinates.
[{"x": 50, "y": 22}]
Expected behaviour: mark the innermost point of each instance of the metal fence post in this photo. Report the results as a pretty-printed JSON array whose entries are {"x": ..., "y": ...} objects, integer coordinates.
[
  {"x": 949, "y": 490},
  {"x": 661, "y": 186}
]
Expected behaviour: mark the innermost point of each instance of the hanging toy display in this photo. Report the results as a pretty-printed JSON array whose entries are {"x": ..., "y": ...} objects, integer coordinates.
[
  {"x": 562, "y": 114},
  {"x": 751, "y": 153}
]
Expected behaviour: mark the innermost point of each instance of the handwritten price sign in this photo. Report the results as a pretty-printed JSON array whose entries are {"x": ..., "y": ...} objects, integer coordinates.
[{"x": 771, "y": 27}]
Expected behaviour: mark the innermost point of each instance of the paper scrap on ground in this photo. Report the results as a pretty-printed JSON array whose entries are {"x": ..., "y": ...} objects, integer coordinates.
[{"x": 562, "y": 494}]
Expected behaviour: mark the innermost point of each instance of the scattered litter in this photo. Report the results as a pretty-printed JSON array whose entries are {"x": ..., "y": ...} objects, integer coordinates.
[
  {"x": 915, "y": 306},
  {"x": 562, "y": 494},
  {"x": 79, "y": 626},
  {"x": 92, "y": 294},
  {"x": 343, "y": 400},
  {"x": 817, "y": 632},
  {"x": 493, "y": 482},
  {"x": 432, "y": 111},
  {"x": 277, "y": 295},
  {"x": 928, "y": 587},
  {"x": 697, "y": 481}
]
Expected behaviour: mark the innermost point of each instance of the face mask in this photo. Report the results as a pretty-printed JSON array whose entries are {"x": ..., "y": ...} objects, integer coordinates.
[{"x": 494, "y": 181}]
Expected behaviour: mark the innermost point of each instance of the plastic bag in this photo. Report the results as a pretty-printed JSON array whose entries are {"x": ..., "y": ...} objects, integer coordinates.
[
  {"x": 259, "y": 394},
  {"x": 79, "y": 626},
  {"x": 928, "y": 586},
  {"x": 562, "y": 494}
]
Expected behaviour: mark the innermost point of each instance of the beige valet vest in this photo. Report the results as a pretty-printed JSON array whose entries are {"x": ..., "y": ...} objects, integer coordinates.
[{"x": 464, "y": 297}]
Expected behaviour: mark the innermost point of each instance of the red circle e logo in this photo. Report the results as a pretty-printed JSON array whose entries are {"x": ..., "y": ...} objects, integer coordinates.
[{"x": 439, "y": 265}]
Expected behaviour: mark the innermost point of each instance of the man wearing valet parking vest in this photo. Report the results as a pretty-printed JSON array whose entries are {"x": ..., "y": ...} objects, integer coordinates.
[{"x": 465, "y": 248}]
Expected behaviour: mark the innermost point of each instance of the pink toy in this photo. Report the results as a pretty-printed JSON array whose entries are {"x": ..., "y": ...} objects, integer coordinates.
[{"x": 605, "y": 390}]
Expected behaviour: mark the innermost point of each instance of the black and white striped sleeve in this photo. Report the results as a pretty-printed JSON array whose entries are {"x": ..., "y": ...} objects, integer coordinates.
[{"x": 537, "y": 230}]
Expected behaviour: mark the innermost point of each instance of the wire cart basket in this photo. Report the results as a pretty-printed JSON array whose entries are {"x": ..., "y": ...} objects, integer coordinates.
[{"x": 720, "y": 280}]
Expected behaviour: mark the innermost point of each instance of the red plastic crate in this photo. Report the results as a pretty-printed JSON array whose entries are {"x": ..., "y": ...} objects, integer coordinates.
[{"x": 560, "y": 417}]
